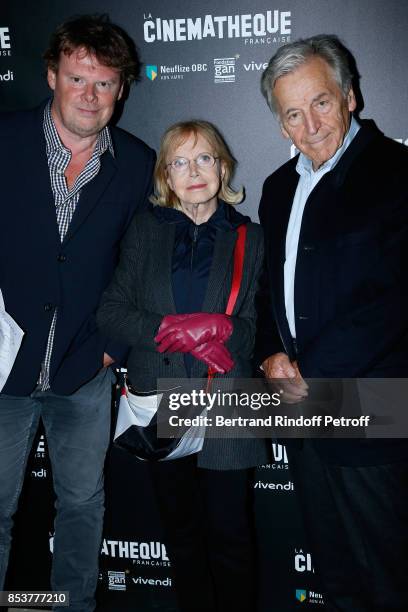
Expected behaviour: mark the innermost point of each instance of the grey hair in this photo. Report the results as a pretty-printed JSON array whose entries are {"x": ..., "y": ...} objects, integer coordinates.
[{"x": 292, "y": 55}]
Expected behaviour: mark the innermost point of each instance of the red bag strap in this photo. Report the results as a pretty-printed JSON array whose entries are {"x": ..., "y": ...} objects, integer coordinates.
[{"x": 239, "y": 253}]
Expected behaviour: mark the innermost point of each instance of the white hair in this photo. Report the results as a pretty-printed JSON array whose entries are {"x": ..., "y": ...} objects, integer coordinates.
[{"x": 289, "y": 57}]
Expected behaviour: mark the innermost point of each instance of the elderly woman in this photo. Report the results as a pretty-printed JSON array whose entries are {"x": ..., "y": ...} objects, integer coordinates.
[{"x": 177, "y": 259}]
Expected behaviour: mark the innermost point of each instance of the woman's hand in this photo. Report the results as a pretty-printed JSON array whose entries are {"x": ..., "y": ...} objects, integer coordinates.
[
  {"x": 215, "y": 355},
  {"x": 183, "y": 333}
]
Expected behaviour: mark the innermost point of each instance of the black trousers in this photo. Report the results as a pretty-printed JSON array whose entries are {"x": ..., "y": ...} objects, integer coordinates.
[
  {"x": 209, "y": 528},
  {"x": 356, "y": 520}
]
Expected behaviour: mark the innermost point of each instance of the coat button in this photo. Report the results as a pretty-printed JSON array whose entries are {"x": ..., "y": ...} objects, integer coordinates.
[
  {"x": 47, "y": 307},
  {"x": 61, "y": 257},
  {"x": 166, "y": 361},
  {"x": 303, "y": 318},
  {"x": 308, "y": 247}
]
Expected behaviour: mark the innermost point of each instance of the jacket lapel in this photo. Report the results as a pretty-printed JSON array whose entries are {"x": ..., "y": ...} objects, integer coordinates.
[
  {"x": 279, "y": 220},
  {"x": 39, "y": 210},
  {"x": 45, "y": 206},
  {"x": 91, "y": 194},
  {"x": 221, "y": 265},
  {"x": 166, "y": 232}
]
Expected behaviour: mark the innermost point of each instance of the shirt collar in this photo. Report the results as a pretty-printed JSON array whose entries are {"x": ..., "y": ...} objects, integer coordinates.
[
  {"x": 304, "y": 164},
  {"x": 53, "y": 141}
]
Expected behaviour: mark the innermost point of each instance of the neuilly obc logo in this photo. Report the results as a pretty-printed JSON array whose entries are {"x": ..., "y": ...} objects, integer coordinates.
[
  {"x": 311, "y": 596},
  {"x": 301, "y": 595},
  {"x": 151, "y": 72}
]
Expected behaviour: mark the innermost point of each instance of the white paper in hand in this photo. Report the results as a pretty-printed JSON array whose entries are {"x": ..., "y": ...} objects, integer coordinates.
[{"x": 11, "y": 336}]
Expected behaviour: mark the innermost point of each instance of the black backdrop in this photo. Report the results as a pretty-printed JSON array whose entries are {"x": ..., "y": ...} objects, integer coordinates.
[{"x": 200, "y": 60}]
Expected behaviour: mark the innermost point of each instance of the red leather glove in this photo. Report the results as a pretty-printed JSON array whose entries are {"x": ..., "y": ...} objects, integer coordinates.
[
  {"x": 215, "y": 355},
  {"x": 182, "y": 333}
]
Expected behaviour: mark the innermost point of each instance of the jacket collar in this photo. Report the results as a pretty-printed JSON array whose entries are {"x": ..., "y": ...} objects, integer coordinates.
[{"x": 225, "y": 218}]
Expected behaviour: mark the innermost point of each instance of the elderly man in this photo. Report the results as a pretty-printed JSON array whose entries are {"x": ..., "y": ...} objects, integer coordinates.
[
  {"x": 70, "y": 186},
  {"x": 334, "y": 305}
]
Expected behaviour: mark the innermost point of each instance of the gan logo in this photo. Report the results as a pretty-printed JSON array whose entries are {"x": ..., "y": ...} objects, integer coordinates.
[
  {"x": 151, "y": 72},
  {"x": 301, "y": 595},
  {"x": 5, "y": 46},
  {"x": 224, "y": 69},
  {"x": 116, "y": 581},
  {"x": 262, "y": 28}
]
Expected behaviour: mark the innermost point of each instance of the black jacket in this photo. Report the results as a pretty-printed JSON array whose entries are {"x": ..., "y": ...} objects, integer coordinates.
[
  {"x": 351, "y": 291},
  {"x": 193, "y": 254},
  {"x": 37, "y": 272},
  {"x": 141, "y": 293}
]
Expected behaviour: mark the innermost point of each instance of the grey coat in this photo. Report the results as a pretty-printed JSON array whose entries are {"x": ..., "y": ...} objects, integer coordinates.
[{"x": 140, "y": 294}]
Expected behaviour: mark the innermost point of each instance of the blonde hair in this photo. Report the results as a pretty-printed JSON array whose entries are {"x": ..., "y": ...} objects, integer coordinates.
[{"x": 176, "y": 135}]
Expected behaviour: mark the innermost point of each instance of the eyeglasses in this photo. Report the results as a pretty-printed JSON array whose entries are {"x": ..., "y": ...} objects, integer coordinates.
[{"x": 182, "y": 164}]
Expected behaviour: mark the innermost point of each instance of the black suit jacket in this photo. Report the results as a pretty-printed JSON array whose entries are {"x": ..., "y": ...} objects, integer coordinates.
[
  {"x": 38, "y": 273},
  {"x": 141, "y": 293},
  {"x": 351, "y": 297}
]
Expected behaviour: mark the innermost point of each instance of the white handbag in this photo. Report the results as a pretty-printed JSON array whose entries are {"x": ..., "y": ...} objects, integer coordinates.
[
  {"x": 11, "y": 336},
  {"x": 136, "y": 430}
]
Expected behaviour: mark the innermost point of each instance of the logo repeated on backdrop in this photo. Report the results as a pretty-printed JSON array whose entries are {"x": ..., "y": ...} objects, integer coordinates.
[
  {"x": 280, "y": 463},
  {"x": 280, "y": 457},
  {"x": 275, "y": 486},
  {"x": 121, "y": 580},
  {"x": 224, "y": 69},
  {"x": 7, "y": 76},
  {"x": 271, "y": 27},
  {"x": 5, "y": 43},
  {"x": 140, "y": 580},
  {"x": 151, "y": 72},
  {"x": 40, "y": 452},
  {"x": 310, "y": 597},
  {"x": 303, "y": 561},
  {"x": 40, "y": 466},
  {"x": 116, "y": 581},
  {"x": 141, "y": 553},
  {"x": 254, "y": 66},
  {"x": 41, "y": 473},
  {"x": 301, "y": 595},
  {"x": 167, "y": 72}
]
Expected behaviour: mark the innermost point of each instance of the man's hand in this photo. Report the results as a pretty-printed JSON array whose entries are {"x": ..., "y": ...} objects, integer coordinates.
[
  {"x": 291, "y": 385},
  {"x": 107, "y": 360}
]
